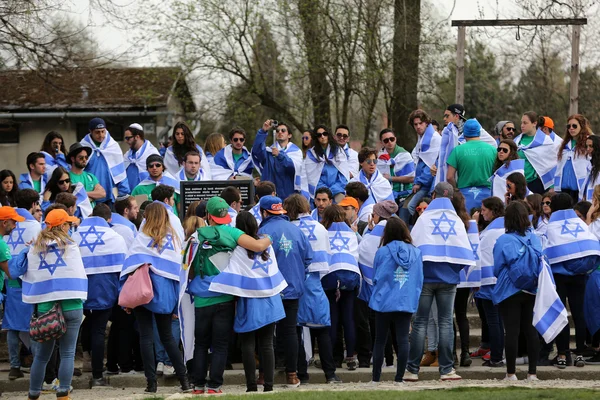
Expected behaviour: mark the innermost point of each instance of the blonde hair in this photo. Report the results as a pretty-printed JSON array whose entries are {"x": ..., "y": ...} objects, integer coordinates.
[
  {"x": 214, "y": 142},
  {"x": 191, "y": 224},
  {"x": 596, "y": 200},
  {"x": 157, "y": 224},
  {"x": 48, "y": 235}
]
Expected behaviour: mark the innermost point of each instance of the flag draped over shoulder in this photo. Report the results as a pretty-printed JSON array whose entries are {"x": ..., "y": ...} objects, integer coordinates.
[
  {"x": 403, "y": 163},
  {"x": 82, "y": 201},
  {"x": 569, "y": 238},
  {"x": 173, "y": 165},
  {"x": 185, "y": 308},
  {"x": 111, "y": 151},
  {"x": 379, "y": 188},
  {"x": 487, "y": 240},
  {"x": 295, "y": 154},
  {"x": 344, "y": 248},
  {"x": 587, "y": 191},
  {"x": 470, "y": 276},
  {"x": 367, "y": 248},
  {"x": 448, "y": 143},
  {"x": 24, "y": 232},
  {"x": 224, "y": 167},
  {"x": 313, "y": 166},
  {"x": 200, "y": 176},
  {"x": 319, "y": 242},
  {"x": 441, "y": 235},
  {"x": 102, "y": 249},
  {"x": 165, "y": 261},
  {"x": 139, "y": 157},
  {"x": 498, "y": 180},
  {"x": 428, "y": 147},
  {"x": 580, "y": 165},
  {"x": 549, "y": 313},
  {"x": 542, "y": 156},
  {"x": 166, "y": 179}
]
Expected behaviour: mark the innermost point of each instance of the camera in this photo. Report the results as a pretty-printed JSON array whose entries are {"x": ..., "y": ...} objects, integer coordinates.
[{"x": 274, "y": 123}]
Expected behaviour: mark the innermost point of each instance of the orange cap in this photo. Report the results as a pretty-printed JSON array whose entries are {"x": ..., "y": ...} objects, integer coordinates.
[
  {"x": 58, "y": 217},
  {"x": 7, "y": 212},
  {"x": 548, "y": 123},
  {"x": 348, "y": 201}
]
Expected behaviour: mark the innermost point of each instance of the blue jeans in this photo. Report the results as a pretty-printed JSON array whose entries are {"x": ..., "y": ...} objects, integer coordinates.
[
  {"x": 432, "y": 329},
  {"x": 444, "y": 294},
  {"x": 495, "y": 329},
  {"x": 67, "y": 344},
  {"x": 159, "y": 349},
  {"x": 416, "y": 199}
]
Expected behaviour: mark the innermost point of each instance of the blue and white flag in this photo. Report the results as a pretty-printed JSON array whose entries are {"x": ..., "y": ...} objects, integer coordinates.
[
  {"x": 541, "y": 153},
  {"x": 165, "y": 261},
  {"x": 224, "y": 166},
  {"x": 255, "y": 211},
  {"x": 569, "y": 238},
  {"x": 591, "y": 303},
  {"x": 111, "y": 151},
  {"x": 123, "y": 227},
  {"x": 53, "y": 163},
  {"x": 102, "y": 249},
  {"x": 487, "y": 240},
  {"x": 549, "y": 313},
  {"x": 470, "y": 276},
  {"x": 319, "y": 242},
  {"x": 233, "y": 214},
  {"x": 200, "y": 176},
  {"x": 185, "y": 308},
  {"x": 166, "y": 179},
  {"x": 587, "y": 191},
  {"x": 449, "y": 141},
  {"x": 24, "y": 233},
  {"x": 295, "y": 154},
  {"x": 313, "y": 166},
  {"x": 353, "y": 164},
  {"x": 580, "y": 164},
  {"x": 484, "y": 136},
  {"x": 441, "y": 235},
  {"x": 315, "y": 215},
  {"x": 366, "y": 251},
  {"x": 366, "y": 210},
  {"x": 138, "y": 158},
  {"x": 379, "y": 188},
  {"x": 82, "y": 201},
  {"x": 403, "y": 163},
  {"x": 56, "y": 274},
  {"x": 344, "y": 248},
  {"x": 173, "y": 165},
  {"x": 498, "y": 180},
  {"x": 253, "y": 278},
  {"x": 428, "y": 147}
]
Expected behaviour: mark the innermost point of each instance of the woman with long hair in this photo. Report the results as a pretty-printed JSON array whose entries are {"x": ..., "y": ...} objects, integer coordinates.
[
  {"x": 8, "y": 188},
  {"x": 546, "y": 210},
  {"x": 537, "y": 222},
  {"x": 507, "y": 162},
  {"x": 342, "y": 282},
  {"x": 213, "y": 144},
  {"x": 573, "y": 162},
  {"x": 59, "y": 182},
  {"x": 516, "y": 187},
  {"x": 192, "y": 221},
  {"x": 592, "y": 146},
  {"x": 157, "y": 246},
  {"x": 397, "y": 285},
  {"x": 182, "y": 142},
  {"x": 52, "y": 258},
  {"x": 593, "y": 215},
  {"x": 307, "y": 141},
  {"x": 54, "y": 149}
]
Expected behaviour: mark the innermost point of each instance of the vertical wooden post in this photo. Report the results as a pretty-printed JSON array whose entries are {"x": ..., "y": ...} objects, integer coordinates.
[
  {"x": 574, "y": 92},
  {"x": 460, "y": 65}
]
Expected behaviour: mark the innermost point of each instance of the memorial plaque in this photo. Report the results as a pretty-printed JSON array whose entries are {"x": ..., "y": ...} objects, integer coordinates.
[{"x": 191, "y": 191}]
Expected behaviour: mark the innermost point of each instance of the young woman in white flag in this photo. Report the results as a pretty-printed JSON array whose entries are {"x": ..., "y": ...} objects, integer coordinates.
[
  {"x": 592, "y": 146},
  {"x": 573, "y": 161}
]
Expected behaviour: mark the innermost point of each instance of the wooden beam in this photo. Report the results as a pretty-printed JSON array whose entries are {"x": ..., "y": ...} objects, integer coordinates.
[
  {"x": 519, "y": 22},
  {"x": 460, "y": 66},
  {"x": 574, "y": 89}
]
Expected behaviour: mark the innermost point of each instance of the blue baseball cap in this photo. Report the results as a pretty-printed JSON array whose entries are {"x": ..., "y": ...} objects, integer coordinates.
[
  {"x": 97, "y": 123},
  {"x": 272, "y": 204}
]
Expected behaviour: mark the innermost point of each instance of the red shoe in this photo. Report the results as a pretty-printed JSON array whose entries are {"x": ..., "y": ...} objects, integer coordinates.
[
  {"x": 198, "y": 391},
  {"x": 480, "y": 352},
  {"x": 214, "y": 392},
  {"x": 487, "y": 356}
]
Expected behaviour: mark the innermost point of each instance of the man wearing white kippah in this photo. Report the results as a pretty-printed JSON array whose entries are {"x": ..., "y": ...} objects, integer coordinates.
[{"x": 135, "y": 157}]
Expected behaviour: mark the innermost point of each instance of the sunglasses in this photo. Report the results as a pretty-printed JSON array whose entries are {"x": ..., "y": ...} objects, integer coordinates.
[
  {"x": 155, "y": 165},
  {"x": 508, "y": 186},
  {"x": 370, "y": 161},
  {"x": 589, "y": 146},
  {"x": 421, "y": 208},
  {"x": 545, "y": 203},
  {"x": 128, "y": 138},
  {"x": 339, "y": 135},
  {"x": 390, "y": 139},
  {"x": 510, "y": 129},
  {"x": 238, "y": 139},
  {"x": 322, "y": 134},
  {"x": 503, "y": 150},
  {"x": 305, "y": 137},
  {"x": 62, "y": 182},
  {"x": 82, "y": 157},
  {"x": 284, "y": 130},
  {"x": 574, "y": 126}
]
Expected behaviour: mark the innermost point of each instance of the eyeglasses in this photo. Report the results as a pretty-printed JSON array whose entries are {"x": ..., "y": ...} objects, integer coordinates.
[
  {"x": 545, "y": 203},
  {"x": 370, "y": 161},
  {"x": 82, "y": 157},
  {"x": 283, "y": 130},
  {"x": 155, "y": 165},
  {"x": 508, "y": 185},
  {"x": 239, "y": 139},
  {"x": 503, "y": 150},
  {"x": 589, "y": 146},
  {"x": 318, "y": 135},
  {"x": 62, "y": 182},
  {"x": 128, "y": 138},
  {"x": 340, "y": 136},
  {"x": 574, "y": 126},
  {"x": 390, "y": 139},
  {"x": 421, "y": 208},
  {"x": 510, "y": 129}
]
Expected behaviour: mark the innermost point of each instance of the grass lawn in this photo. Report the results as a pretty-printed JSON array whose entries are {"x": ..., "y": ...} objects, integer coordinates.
[{"x": 446, "y": 394}]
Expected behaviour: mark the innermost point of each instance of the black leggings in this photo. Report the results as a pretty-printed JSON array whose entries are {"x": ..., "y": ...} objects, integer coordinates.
[
  {"x": 517, "y": 315},
  {"x": 264, "y": 336},
  {"x": 93, "y": 333},
  {"x": 572, "y": 288},
  {"x": 536, "y": 186},
  {"x": 460, "y": 310},
  {"x": 401, "y": 321}
]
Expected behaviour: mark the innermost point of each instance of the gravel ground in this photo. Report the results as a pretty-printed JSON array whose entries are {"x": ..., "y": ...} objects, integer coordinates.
[{"x": 171, "y": 392}]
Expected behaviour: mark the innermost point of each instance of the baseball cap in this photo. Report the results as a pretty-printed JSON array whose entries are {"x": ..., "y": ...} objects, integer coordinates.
[
  {"x": 444, "y": 189},
  {"x": 457, "y": 109},
  {"x": 218, "y": 209},
  {"x": 97, "y": 123},
  {"x": 58, "y": 217},
  {"x": 548, "y": 123},
  {"x": 272, "y": 204},
  {"x": 154, "y": 158},
  {"x": 349, "y": 201},
  {"x": 7, "y": 213}
]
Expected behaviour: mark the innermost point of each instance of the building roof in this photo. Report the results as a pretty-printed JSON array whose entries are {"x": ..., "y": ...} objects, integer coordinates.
[{"x": 92, "y": 88}]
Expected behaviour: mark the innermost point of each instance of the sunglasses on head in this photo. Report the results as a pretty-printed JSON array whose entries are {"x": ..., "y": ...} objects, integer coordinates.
[
  {"x": 503, "y": 150},
  {"x": 574, "y": 126},
  {"x": 155, "y": 165},
  {"x": 284, "y": 130},
  {"x": 339, "y": 135},
  {"x": 510, "y": 129},
  {"x": 239, "y": 139},
  {"x": 321, "y": 134},
  {"x": 545, "y": 203},
  {"x": 62, "y": 182},
  {"x": 390, "y": 139}
]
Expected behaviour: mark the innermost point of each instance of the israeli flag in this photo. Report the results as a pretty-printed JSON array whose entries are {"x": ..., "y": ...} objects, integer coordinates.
[
  {"x": 541, "y": 153},
  {"x": 233, "y": 214},
  {"x": 200, "y": 176},
  {"x": 449, "y": 142},
  {"x": 255, "y": 211},
  {"x": 253, "y": 278},
  {"x": 25, "y": 232},
  {"x": 487, "y": 240},
  {"x": 549, "y": 313},
  {"x": 171, "y": 163},
  {"x": 164, "y": 261},
  {"x": 471, "y": 276},
  {"x": 111, "y": 151},
  {"x": 138, "y": 157},
  {"x": 313, "y": 166},
  {"x": 224, "y": 166},
  {"x": 569, "y": 238},
  {"x": 84, "y": 206},
  {"x": 580, "y": 163},
  {"x": 379, "y": 188},
  {"x": 587, "y": 192},
  {"x": 428, "y": 147},
  {"x": 166, "y": 179},
  {"x": 591, "y": 303},
  {"x": 498, "y": 180},
  {"x": 56, "y": 274},
  {"x": 318, "y": 237},
  {"x": 295, "y": 154},
  {"x": 102, "y": 249},
  {"x": 344, "y": 248},
  {"x": 403, "y": 163},
  {"x": 441, "y": 235},
  {"x": 185, "y": 308},
  {"x": 367, "y": 248}
]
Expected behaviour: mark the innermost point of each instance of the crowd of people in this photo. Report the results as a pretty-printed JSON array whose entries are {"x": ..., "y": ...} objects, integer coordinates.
[{"x": 351, "y": 255}]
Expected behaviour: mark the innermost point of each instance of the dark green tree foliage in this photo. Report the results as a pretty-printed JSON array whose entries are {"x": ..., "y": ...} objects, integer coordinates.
[{"x": 589, "y": 96}]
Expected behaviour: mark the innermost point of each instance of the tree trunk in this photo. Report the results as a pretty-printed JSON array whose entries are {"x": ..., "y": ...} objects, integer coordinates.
[
  {"x": 407, "y": 32},
  {"x": 317, "y": 74}
]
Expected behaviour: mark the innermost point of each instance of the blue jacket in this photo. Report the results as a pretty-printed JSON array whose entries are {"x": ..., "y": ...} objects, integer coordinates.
[
  {"x": 280, "y": 170},
  {"x": 292, "y": 251},
  {"x": 397, "y": 278},
  {"x": 313, "y": 308},
  {"x": 423, "y": 176},
  {"x": 254, "y": 313},
  {"x": 506, "y": 252},
  {"x": 25, "y": 184},
  {"x": 441, "y": 272},
  {"x": 103, "y": 291},
  {"x": 98, "y": 166}
]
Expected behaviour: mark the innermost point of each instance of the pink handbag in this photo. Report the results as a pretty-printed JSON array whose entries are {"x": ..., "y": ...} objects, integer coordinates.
[{"x": 137, "y": 289}]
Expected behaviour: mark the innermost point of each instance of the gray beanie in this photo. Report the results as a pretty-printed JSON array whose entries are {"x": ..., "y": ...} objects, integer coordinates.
[{"x": 499, "y": 127}]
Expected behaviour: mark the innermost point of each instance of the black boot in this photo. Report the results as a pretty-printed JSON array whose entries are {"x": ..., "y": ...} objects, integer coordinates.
[
  {"x": 186, "y": 387},
  {"x": 151, "y": 386}
]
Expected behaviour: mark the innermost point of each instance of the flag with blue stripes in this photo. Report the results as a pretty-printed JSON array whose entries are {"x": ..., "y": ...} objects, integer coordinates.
[
  {"x": 470, "y": 276},
  {"x": 498, "y": 180},
  {"x": 313, "y": 166},
  {"x": 449, "y": 142},
  {"x": 246, "y": 277},
  {"x": 441, "y": 235},
  {"x": 102, "y": 249},
  {"x": 487, "y": 240},
  {"x": 428, "y": 147},
  {"x": 164, "y": 261},
  {"x": 224, "y": 166},
  {"x": 569, "y": 238},
  {"x": 579, "y": 163},
  {"x": 112, "y": 153},
  {"x": 537, "y": 152},
  {"x": 185, "y": 307},
  {"x": 82, "y": 201},
  {"x": 166, "y": 179},
  {"x": 344, "y": 248},
  {"x": 367, "y": 248},
  {"x": 256, "y": 212},
  {"x": 379, "y": 188},
  {"x": 549, "y": 313},
  {"x": 319, "y": 242},
  {"x": 25, "y": 232}
]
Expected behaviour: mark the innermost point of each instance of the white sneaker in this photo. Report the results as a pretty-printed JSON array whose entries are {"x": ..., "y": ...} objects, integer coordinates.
[
  {"x": 169, "y": 370},
  {"x": 160, "y": 368},
  {"x": 373, "y": 383},
  {"x": 399, "y": 383},
  {"x": 522, "y": 360},
  {"x": 451, "y": 376},
  {"x": 532, "y": 378},
  {"x": 410, "y": 377},
  {"x": 510, "y": 378}
]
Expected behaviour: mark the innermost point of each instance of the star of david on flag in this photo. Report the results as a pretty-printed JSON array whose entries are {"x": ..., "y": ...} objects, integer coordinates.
[
  {"x": 338, "y": 237},
  {"x": 15, "y": 242},
  {"x": 262, "y": 265},
  {"x": 59, "y": 262},
  {"x": 310, "y": 229},
  {"x": 475, "y": 246},
  {"x": 168, "y": 244},
  {"x": 565, "y": 229},
  {"x": 87, "y": 243},
  {"x": 437, "y": 230}
]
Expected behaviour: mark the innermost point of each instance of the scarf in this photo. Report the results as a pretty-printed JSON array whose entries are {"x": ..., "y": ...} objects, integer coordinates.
[
  {"x": 111, "y": 151},
  {"x": 314, "y": 166},
  {"x": 224, "y": 166},
  {"x": 138, "y": 158}
]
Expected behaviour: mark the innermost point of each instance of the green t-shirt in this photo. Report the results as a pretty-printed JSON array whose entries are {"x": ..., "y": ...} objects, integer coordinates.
[
  {"x": 397, "y": 186},
  {"x": 147, "y": 191},
  {"x": 4, "y": 256},
  {"x": 228, "y": 237},
  {"x": 89, "y": 181},
  {"x": 67, "y": 305},
  {"x": 37, "y": 185},
  {"x": 474, "y": 163},
  {"x": 236, "y": 157},
  {"x": 530, "y": 174}
]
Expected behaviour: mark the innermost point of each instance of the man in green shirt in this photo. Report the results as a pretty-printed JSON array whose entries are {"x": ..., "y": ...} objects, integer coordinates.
[
  {"x": 156, "y": 175},
  {"x": 78, "y": 157},
  {"x": 474, "y": 163},
  {"x": 36, "y": 177}
]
